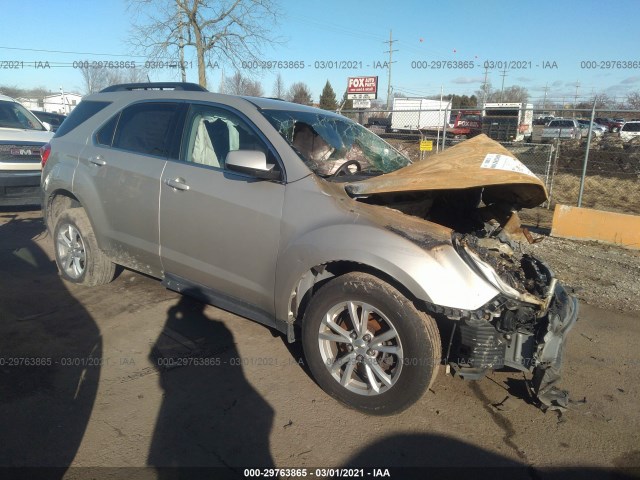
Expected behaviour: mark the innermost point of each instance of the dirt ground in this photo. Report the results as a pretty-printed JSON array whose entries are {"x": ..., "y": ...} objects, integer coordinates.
[
  {"x": 601, "y": 275},
  {"x": 99, "y": 384}
]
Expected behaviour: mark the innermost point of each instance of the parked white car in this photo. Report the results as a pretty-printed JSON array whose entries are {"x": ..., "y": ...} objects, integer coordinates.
[
  {"x": 630, "y": 130},
  {"x": 21, "y": 136}
]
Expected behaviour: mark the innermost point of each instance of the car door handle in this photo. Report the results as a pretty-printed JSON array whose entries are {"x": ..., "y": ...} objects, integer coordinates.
[
  {"x": 97, "y": 160},
  {"x": 177, "y": 183}
]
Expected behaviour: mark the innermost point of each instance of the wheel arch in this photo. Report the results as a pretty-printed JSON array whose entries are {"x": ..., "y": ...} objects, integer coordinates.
[
  {"x": 315, "y": 277},
  {"x": 57, "y": 202}
]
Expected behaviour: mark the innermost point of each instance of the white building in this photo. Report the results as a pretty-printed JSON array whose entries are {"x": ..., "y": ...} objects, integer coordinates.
[
  {"x": 55, "y": 103},
  {"x": 31, "y": 103},
  {"x": 61, "y": 102}
]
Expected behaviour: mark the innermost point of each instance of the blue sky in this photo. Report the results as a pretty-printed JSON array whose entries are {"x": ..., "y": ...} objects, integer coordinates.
[{"x": 529, "y": 35}]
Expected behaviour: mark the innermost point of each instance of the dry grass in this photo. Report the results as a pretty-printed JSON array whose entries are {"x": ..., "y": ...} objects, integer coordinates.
[{"x": 600, "y": 192}]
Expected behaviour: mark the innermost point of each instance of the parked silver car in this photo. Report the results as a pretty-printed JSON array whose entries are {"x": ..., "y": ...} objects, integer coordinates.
[
  {"x": 596, "y": 130},
  {"x": 305, "y": 221}
]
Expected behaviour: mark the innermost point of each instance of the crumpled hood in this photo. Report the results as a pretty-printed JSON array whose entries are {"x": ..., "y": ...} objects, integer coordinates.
[{"x": 476, "y": 163}]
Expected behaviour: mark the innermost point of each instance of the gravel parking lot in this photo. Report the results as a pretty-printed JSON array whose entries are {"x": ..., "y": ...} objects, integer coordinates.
[{"x": 133, "y": 375}]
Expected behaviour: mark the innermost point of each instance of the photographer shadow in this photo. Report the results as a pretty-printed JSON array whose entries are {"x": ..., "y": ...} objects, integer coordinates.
[
  {"x": 210, "y": 415},
  {"x": 50, "y": 352}
]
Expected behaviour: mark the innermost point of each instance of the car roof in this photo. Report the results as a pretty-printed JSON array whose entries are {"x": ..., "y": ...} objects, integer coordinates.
[
  {"x": 261, "y": 103},
  {"x": 265, "y": 103},
  {"x": 8, "y": 99}
]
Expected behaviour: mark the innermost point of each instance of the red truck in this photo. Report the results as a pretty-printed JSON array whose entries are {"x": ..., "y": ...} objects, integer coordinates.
[{"x": 466, "y": 123}]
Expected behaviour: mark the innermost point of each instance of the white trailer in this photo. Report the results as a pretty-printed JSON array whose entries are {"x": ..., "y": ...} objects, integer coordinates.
[{"x": 419, "y": 114}]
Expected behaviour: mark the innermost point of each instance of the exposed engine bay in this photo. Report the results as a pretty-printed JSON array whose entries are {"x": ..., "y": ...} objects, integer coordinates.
[{"x": 523, "y": 327}]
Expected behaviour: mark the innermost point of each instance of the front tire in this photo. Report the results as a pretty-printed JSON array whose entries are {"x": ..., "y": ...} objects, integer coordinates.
[
  {"x": 368, "y": 345},
  {"x": 78, "y": 257}
]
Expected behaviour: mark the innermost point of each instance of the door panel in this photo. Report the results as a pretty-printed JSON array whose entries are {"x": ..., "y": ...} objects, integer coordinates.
[
  {"x": 221, "y": 232},
  {"x": 219, "y": 228},
  {"x": 124, "y": 206},
  {"x": 122, "y": 183}
]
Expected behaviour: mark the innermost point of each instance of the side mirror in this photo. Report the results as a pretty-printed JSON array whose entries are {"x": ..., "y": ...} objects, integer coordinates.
[{"x": 251, "y": 162}]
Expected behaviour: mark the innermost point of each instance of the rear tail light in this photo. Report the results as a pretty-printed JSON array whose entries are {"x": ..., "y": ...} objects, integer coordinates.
[{"x": 44, "y": 153}]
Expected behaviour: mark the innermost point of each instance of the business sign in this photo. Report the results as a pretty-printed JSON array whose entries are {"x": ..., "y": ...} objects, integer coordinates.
[
  {"x": 362, "y": 88},
  {"x": 361, "y": 103}
]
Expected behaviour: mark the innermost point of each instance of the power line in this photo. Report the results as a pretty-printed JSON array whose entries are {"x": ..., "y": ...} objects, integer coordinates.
[{"x": 72, "y": 53}]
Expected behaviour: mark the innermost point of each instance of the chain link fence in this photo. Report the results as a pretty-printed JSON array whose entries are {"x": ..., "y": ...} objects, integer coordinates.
[{"x": 610, "y": 181}]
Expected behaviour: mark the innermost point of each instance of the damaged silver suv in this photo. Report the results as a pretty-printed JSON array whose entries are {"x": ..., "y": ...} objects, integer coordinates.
[{"x": 309, "y": 223}]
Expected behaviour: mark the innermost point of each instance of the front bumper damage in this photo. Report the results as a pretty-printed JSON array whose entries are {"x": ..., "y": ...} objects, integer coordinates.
[
  {"x": 525, "y": 327},
  {"x": 518, "y": 337}
]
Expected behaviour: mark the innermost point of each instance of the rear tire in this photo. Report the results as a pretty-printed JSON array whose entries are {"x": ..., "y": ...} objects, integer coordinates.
[
  {"x": 78, "y": 257},
  {"x": 368, "y": 345}
]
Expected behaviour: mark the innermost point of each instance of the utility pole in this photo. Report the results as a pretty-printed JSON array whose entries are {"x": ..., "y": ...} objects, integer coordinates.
[
  {"x": 485, "y": 86},
  {"x": 390, "y": 52},
  {"x": 544, "y": 101},
  {"x": 575, "y": 99},
  {"x": 503, "y": 74}
]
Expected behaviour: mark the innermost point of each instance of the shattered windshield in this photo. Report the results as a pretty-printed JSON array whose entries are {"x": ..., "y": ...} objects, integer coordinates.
[{"x": 326, "y": 142}]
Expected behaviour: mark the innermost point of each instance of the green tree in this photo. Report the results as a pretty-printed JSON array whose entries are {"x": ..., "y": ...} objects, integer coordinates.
[
  {"x": 328, "y": 99},
  {"x": 346, "y": 104}
]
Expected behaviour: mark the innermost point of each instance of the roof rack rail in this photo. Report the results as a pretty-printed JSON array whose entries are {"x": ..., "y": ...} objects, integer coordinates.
[{"x": 127, "y": 87}]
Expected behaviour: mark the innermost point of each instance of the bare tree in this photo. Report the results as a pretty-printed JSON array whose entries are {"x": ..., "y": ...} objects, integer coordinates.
[
  {"x": 485, "y": 92},
  {"x": 513, "y": 94},
  {"x": 238, "y": 84},
  {"x": 279, "y": 90},
  {"x": 299, "y": 93},
  {"x": 633, "y": 100},
  {"x": 226, "y": 31},
  {"x": 603, "y": 100},
  {"x": 95, "y": 79}
]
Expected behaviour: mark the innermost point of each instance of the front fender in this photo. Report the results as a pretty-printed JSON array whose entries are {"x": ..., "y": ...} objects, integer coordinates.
[{"x": 435, "y": 274}]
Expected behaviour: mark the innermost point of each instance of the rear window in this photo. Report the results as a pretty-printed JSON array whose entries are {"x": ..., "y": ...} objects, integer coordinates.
[
  {"x": 146, "y": 128},
  {"x": 631, "y": 127},
  {"x": 562, "y": 123},
  {"x": 80, "y": 114}
]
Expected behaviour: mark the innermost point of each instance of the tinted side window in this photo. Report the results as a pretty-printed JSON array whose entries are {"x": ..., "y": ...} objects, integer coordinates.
[
  {"x": 82, "y": 112},
  {"x": 147, "y": 128},
  {"x": 105, "y": 134}
]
